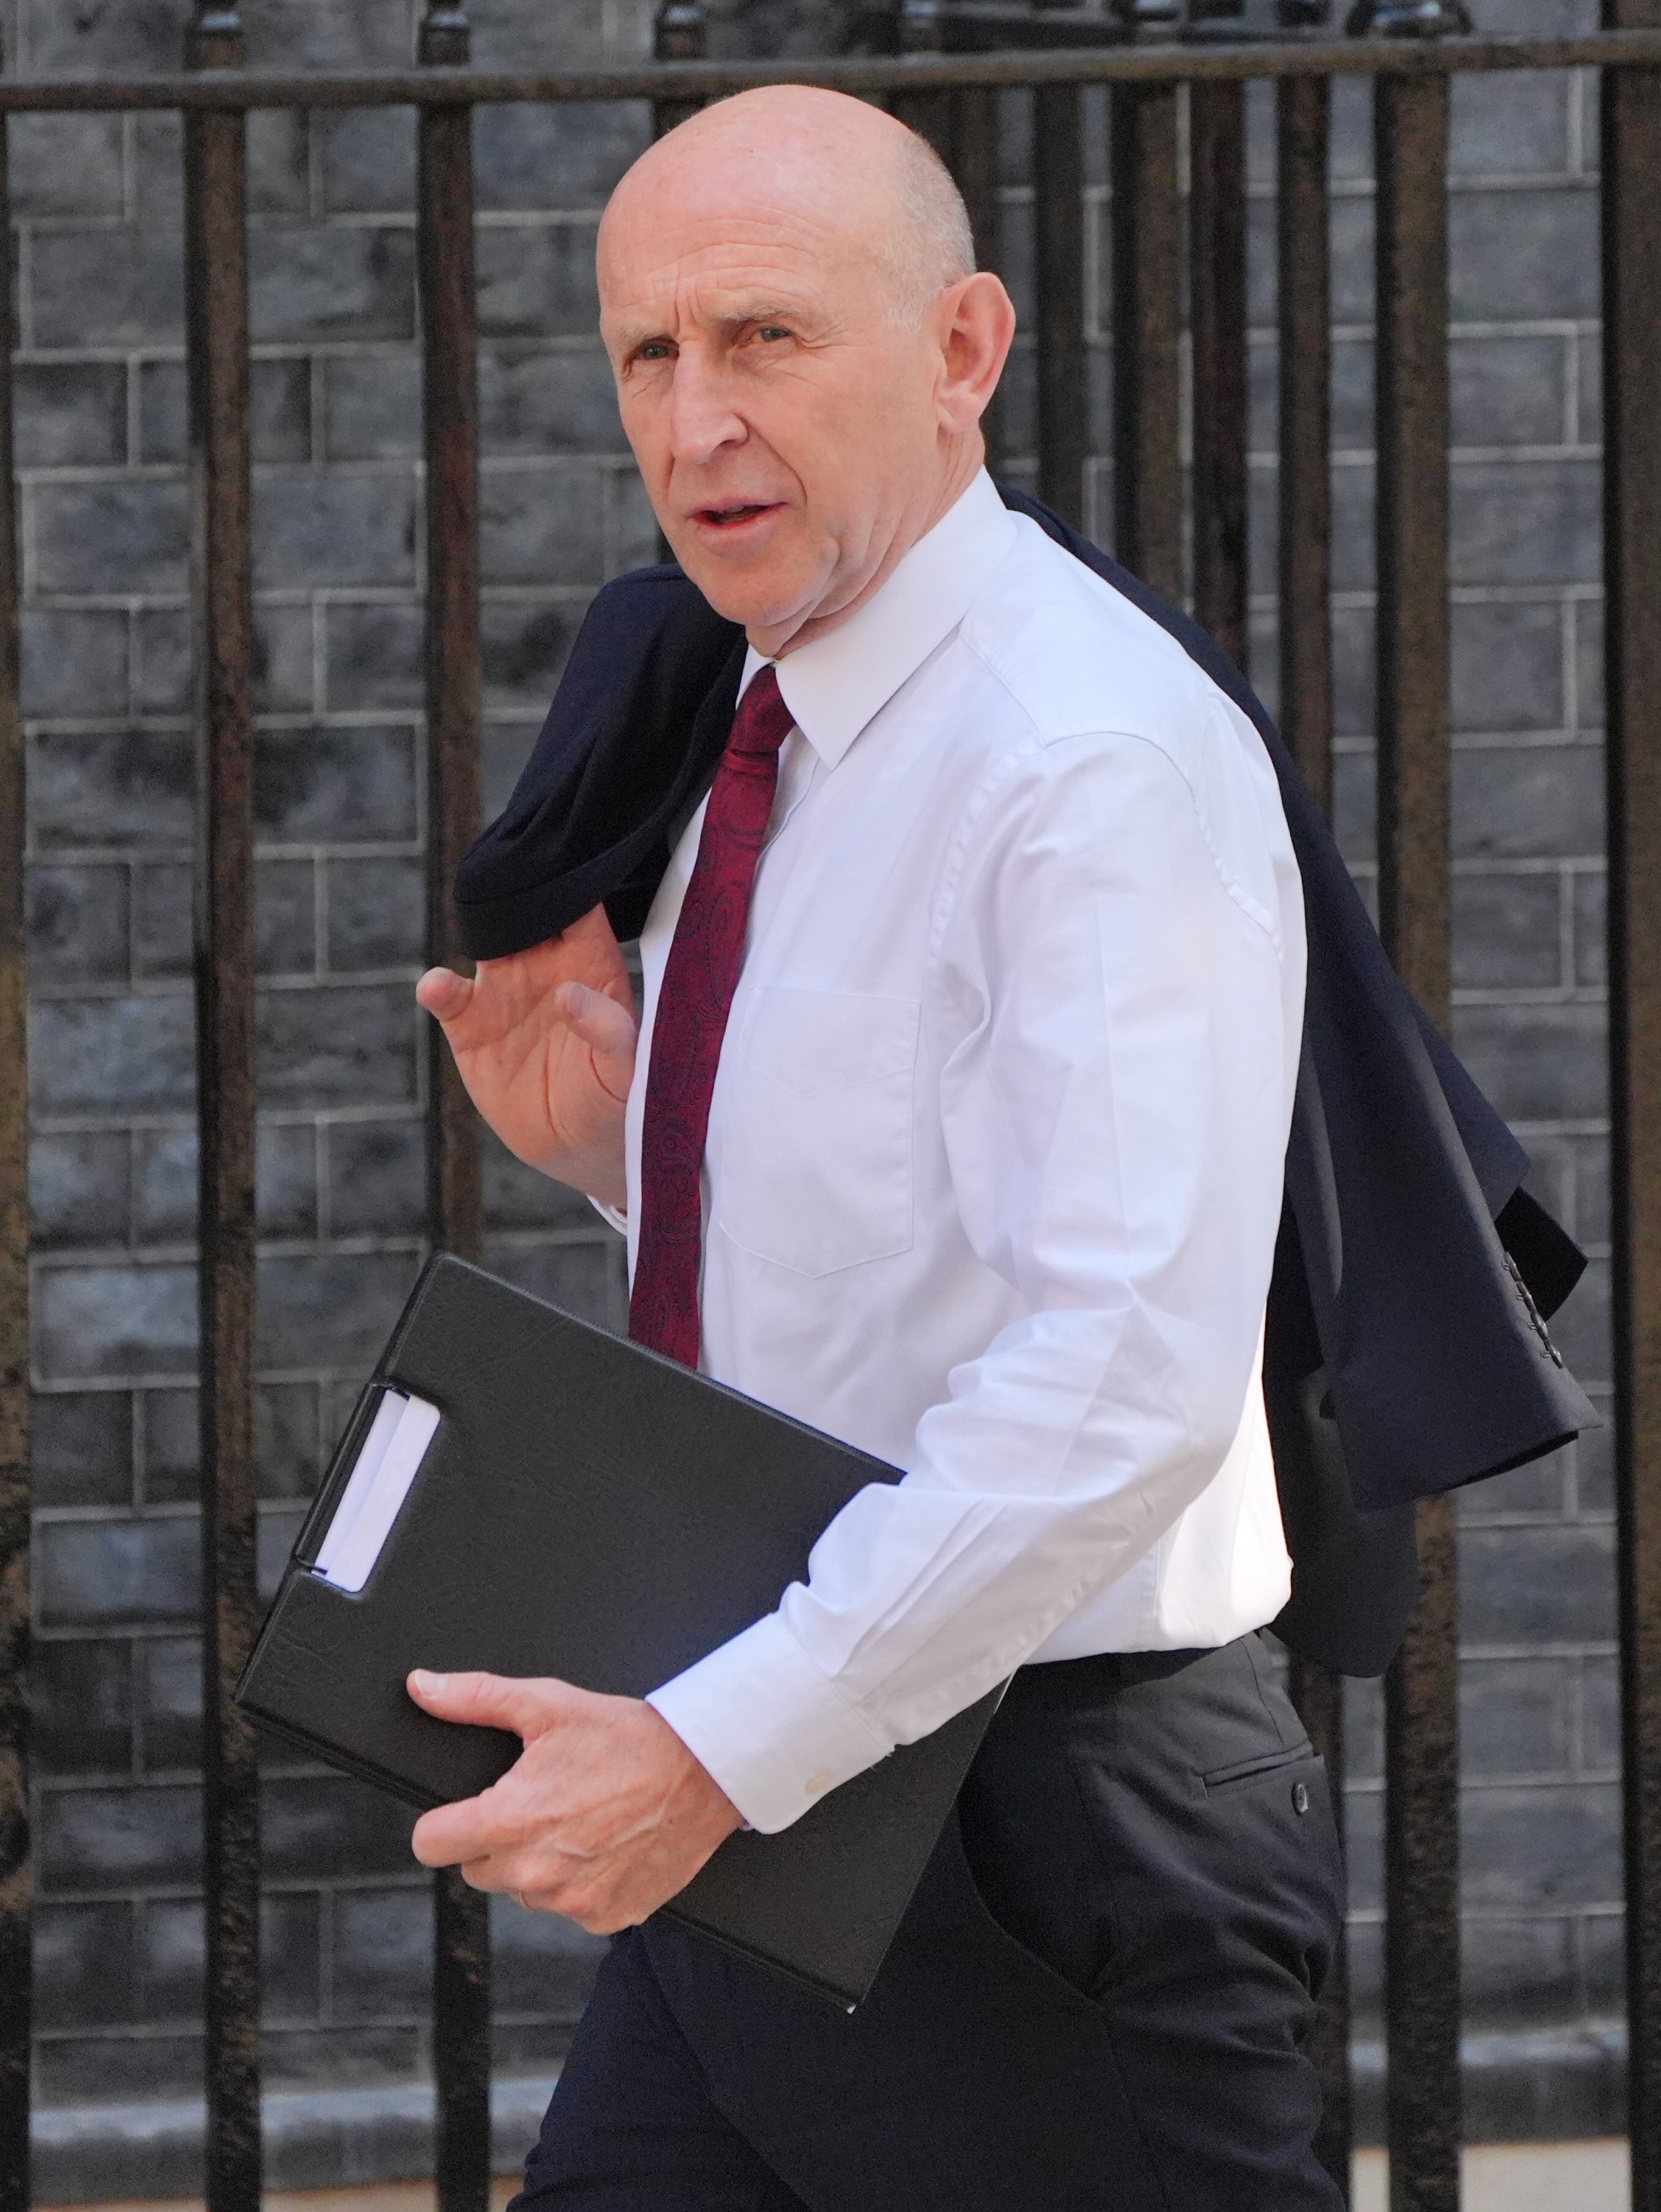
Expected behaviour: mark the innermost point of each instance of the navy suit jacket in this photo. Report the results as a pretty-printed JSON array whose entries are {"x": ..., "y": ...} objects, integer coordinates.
[{"x": 1406, "y": 1352}]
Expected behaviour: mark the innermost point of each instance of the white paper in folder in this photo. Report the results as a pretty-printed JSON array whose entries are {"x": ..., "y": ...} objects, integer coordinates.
[{"x": 387, "y": 1461}]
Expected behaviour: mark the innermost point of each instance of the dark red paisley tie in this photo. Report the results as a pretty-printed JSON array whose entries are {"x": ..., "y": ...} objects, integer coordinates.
[{"x": 700, "y": 978}]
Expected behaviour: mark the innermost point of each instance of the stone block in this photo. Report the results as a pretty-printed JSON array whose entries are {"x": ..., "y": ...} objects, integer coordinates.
[
  {"x": 1588, "y": 663},
  {"x": 377, "y": 1178},
  {"x": 341, "y": 787},
  {"x": 381, "y": 1953},
  {"x": 1351, "y": 392},
  {"x": 169, "y": 1445},
  {"x": 1594, "y": 1466},
  {"x": 559, "y": 156},
  {"x": 539, "y": 1963},
  {"x": 286, "y": 1439},
  {"x": 101, "y": 2068},
  {"x": 367, "y": 160},
  {"x": 81, "y": 1448},
  {"x": 170, "y": 1688},
  {"x": 99, "y": 41},
  {"x": 78, "y": 1190},
  {"x": 1525, "y": 523},
  {"x": 1351, "y": 130},
  {"x": 537, "y": 282},
  {"x": 374, "y": 655},
  {"x": 161, "y": 921},
  {"x": 1581, "y": 1328},
  {"x": 1363, "y": 1731},
  {"x": 83, "y": 1965},
  {"x": 161, "y": 660},
  {"x": 334, "y": 1311},
  {"x": 171, "y": 1955},
  {"x": 279, "y": 411},
  {"x": 284, "y": 682},
  {"x": 285, "y": 917},
  {"x": 317, "y": 283},
  {"x": 371, "y": 406},
  {"x": 70, "y": 414},
  {"x": 109, "y": 1054},
  {"x": 116, "y": 1573},
  {"x": 311, "y": 531},
  {"x": 535, "y": 401},
  {"x": 64, "y": 166},
  {"x": 1352, "y": 527},
  {"x": 1355, "y": 672},
  {"x": 91, "y": 1322},
  {"x": 106, "y": 288},
  {"x": 1602, "y": 1946},
  {"x": 632, "y": 527},
  {"x": 1516, "y": 1716},
  {"x": 1364, "y": 1847},
  {"x": 587, "y": 1279},
  {"x": 74, "y": 660},
  {"x": 1600, "y": 1715},
  {"x": 377, "y": 914},
  {"x": 1590, "y": 1212},
  {"x": 352, "y": 1046},
  {"x": 77, "y": 925},
  {"x": 279, "y": 161},
  {"x": 1535, "y": 1491},
  {"x": 505, "y": 35},
  {"x": 1508, "y": 931},
  {"x": 329, "y": 2058},
  {"x": 1508, "y": 391},
  {"x": 1589, "y": 389},
  {"x": 519, "y": 1197},
  {"x": 115, "y": 536},
  {"x": 286, "y": 1180},
  {"x": 1518, "y": 1974},
  {"x": 542, "y": 525},
  {"x": 1556, "y": 1844},
  {"x": 1536, "y": 1063},
  {"x": 1589, "y": 887},
  {"x": 1533, "y": 1586},
  {"x": 1510, "y": 124},
  {"x": 1506, "y": 247},
  {"x": 328, "y": 1824},
  {"x": 1351, "y": 249},
  {"x": 1508, "y": 666},
  {"x": 81, "y": 1705},
  {"x": 158, "y": 172},
  {"x": 299, "y": 34},
  {"x": 106, "y": 1840},
  {"x": 1527, "y": 802}
]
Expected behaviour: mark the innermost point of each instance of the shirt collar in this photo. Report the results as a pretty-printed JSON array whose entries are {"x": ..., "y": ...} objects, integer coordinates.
[{"x": 834, "y": 684}]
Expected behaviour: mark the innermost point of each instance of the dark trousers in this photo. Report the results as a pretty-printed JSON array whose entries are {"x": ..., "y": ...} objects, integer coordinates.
[{"x": 1099, "y": 2000}]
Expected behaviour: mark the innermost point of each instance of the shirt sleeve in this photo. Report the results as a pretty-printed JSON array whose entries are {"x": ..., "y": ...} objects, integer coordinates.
[{"x": 1109, "y": 1015}]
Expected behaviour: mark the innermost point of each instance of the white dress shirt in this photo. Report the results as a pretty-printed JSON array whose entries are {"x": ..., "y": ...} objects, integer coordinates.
[{"x": 995, "y": 1152}]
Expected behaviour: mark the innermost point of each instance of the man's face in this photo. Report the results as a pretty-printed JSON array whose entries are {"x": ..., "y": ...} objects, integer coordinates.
[{"x": 783, "y": 415}]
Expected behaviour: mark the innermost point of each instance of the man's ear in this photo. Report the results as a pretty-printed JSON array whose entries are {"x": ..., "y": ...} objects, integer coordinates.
[{"x": 976, "y": 328}]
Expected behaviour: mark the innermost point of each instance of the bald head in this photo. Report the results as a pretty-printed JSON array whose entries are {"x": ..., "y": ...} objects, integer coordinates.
[{"x": 801, "y": 345}]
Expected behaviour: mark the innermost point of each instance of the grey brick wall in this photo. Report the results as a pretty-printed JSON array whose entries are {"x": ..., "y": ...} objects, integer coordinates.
[{"x": 343, "y": 1054}]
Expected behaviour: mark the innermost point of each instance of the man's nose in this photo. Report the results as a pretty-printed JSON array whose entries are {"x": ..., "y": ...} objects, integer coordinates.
[{"x": 701, "y": 416}]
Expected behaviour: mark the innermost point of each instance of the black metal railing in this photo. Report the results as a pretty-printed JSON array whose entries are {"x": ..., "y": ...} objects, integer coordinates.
[{"x": 951, "y": 95}]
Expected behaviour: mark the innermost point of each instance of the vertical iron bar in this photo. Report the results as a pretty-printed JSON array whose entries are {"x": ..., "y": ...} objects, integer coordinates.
[
  {"x": 679, "y": 33},
  {"x": 1303, "y": 285},
  {"x": 461, "y": 1967},
  {"x": 1306, "y": 475},
  {"x": 15, "y": 1873},
  {"x": 216, "y": 277},
  {"x": 1422, "y": 1812},
  {"x": 1058, "y": 187},
  {"x": 1217, "y": 207},
  {"x": 1631, "y": 170},
  {"x": 1147, "y": 325}
]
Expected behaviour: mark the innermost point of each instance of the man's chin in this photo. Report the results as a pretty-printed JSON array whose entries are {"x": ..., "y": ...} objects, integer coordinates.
[{"x": 750, "y": 593}]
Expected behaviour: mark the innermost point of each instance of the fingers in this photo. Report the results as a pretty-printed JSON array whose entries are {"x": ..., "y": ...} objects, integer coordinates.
[
  {"x": 499, "y": 1701},
  {"x": 444, "y": 993},
  {"x": 606, "y": 1029}
]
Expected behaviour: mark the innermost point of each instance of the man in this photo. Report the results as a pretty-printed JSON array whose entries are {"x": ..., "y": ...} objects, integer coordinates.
[{"x": 955, "y": 1125}]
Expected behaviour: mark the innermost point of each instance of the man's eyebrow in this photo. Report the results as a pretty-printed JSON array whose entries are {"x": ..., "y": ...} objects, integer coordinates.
[{"x": 629, "y": 335}]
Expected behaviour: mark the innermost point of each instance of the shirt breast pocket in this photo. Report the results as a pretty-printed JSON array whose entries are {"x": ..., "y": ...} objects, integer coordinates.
[{"x": 816, "y": 1169}]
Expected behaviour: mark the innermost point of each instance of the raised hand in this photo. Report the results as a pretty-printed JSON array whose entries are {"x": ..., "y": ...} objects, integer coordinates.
[{"x": 544, "y": 1040}]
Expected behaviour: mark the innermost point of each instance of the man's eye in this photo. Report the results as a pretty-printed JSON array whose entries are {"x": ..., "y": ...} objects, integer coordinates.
[
  {"x": 769, "y": 331},
  {"x": 653, "y": 350}
]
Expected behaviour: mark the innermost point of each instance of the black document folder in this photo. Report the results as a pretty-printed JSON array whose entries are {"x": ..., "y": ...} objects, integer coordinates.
[{"x": 519, "y": 1492}]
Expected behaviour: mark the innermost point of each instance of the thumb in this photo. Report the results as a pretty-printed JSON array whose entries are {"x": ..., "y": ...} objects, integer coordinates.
[
  {"x": 608, "y": 1030},
  {"x": 443, "y": 993},
  {"x": 499, "y": 1701}
]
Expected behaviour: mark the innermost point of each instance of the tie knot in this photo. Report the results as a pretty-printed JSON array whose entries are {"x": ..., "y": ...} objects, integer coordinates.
[{"x": 763, "y": 722}]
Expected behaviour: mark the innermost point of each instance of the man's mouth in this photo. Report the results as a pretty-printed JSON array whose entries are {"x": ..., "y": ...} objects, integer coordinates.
[{"x": 725, "y": 513}]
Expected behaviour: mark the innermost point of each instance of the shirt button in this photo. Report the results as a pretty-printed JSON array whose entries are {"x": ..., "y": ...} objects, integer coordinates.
[
  {"x": 1299, "y": 1797},
  {"x": 817, "y": 1784}
]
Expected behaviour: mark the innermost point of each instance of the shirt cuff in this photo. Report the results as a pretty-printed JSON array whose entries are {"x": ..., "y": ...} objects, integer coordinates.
[{"x": 767, "y": 1725}]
